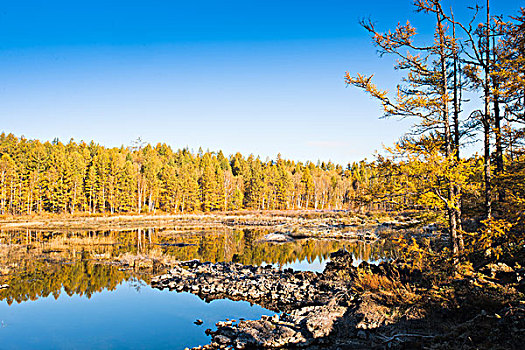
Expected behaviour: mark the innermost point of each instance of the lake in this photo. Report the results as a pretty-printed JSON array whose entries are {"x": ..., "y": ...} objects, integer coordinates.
[{"x": 90, "y": 289}]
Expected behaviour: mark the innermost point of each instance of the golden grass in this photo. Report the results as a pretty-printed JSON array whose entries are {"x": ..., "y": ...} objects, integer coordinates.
[{"x": 391, "y": 292}]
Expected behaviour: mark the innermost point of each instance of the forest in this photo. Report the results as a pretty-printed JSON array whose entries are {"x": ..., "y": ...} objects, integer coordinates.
[
  {"x": 463, "y": 89},
  {"x": 38, "y": 177}
]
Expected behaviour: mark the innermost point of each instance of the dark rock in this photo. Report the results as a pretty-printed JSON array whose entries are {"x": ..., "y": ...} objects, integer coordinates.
[
  {"x": 307, "y": 299},
  {"x": 274, "y": 289},
  {"x": 341, "y": 259}
]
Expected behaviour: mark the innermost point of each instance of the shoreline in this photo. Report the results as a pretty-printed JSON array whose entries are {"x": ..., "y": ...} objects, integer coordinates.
[
  {"x": 292, "y": 224},
  {"x": 338, "y": 309}
]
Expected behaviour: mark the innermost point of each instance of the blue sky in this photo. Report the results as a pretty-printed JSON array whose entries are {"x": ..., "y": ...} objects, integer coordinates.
[{"x": 255, "y": 76}]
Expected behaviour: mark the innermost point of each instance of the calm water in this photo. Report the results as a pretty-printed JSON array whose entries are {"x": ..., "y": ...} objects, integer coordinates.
[
  {"x": 90, "y": 290},
  {"x": 125, "y": 318}
]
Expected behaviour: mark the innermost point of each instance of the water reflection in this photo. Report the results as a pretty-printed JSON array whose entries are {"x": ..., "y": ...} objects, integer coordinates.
[
  {"x": 41, "y": 263},
  {"x": 99, "y": 280},
  {"x": 130, "y": 316}
]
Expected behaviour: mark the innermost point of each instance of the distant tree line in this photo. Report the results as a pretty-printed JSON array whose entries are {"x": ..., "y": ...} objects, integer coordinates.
[{"x": 54, "y": 177}]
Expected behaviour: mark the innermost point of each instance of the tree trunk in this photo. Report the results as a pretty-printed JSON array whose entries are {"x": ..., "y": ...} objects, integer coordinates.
[
  {"x": 497, "y": 129},
  {"x": 457, "y": 109},
  {"x": 486, "y": 124},
  {"x": 447, "y": 136}
]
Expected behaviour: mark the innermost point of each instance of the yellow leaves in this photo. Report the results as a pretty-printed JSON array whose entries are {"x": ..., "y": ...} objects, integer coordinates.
[
  {"x": 430, "y": 200},
  {"x": 423, "y": 174},
  {"x": 465, "y": 268},
  {"x": 476, "y": 284},
  {"x": 365, "y": 82},
  {"x": 404, "y": 33},
  {"x": 489, "y": 239},
  {"x": 392, "y": 40}
]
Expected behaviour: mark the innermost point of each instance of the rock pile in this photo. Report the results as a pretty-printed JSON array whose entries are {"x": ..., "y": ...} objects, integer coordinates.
[
  {"x": 319, "y": 311},
  {"x": 267, "y": 286},
  {"x": 312, "y": 304}
]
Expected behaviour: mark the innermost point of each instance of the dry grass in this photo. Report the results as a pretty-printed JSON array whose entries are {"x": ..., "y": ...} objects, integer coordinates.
[
  {"x": 391, "y": 292},
  {"x": 250, "y": 217}
]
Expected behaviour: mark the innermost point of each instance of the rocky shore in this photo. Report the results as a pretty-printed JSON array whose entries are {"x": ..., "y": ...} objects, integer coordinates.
[
  {"x": 316, "y": 309},
  {"x": 322, "y": 310},
  {"x": 264, "y": 285},
  {"x": 310, "y": 303}
]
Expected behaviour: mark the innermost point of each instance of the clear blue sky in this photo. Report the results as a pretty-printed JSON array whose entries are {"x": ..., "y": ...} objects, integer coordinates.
[{"x": 255, "y": 76}]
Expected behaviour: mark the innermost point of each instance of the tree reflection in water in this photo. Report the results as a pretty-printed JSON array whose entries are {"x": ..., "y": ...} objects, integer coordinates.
[{"x": 41, "y": 263}]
